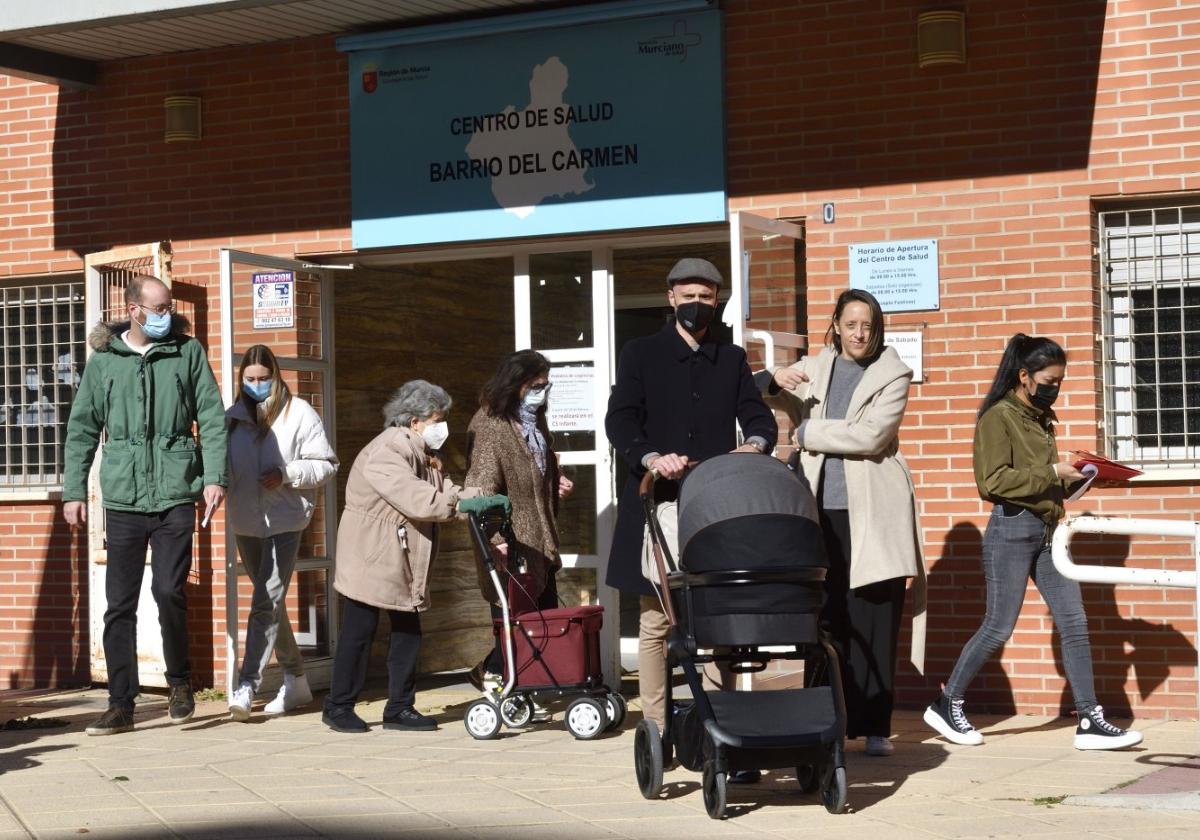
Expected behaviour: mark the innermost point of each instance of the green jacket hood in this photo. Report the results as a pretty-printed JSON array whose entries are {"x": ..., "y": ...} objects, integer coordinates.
[{"x": 105, "y": 337}]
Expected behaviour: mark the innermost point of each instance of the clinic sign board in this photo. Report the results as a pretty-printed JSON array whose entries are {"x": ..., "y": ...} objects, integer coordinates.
[
  {"x": 600, "y": 126},
  {"x": 902, "y": 274}
]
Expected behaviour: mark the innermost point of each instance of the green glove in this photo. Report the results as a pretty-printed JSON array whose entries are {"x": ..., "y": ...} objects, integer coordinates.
[{"x": 482, "y": 504}]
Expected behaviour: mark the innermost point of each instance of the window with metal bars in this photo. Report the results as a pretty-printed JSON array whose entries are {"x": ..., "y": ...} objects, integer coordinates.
[
  {"x": 42, "y": 345},
  {"x": 1150, "y": 274}
]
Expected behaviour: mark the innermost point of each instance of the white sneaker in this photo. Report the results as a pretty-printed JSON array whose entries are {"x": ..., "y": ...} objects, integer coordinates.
[
  {"x": 241, "y": 701},
  {"x": 1096, "y": 733},
  {"x": 293, "y": 694},
  {"x": 879, "y": 745}
]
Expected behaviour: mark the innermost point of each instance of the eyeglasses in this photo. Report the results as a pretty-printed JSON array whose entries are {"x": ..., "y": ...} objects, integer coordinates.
[
  {"x": 542, "y": 386},
  {"x": 162, "y": 309}
]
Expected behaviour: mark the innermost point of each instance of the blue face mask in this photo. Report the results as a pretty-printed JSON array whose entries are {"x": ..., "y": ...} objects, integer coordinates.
[
  {"x": 157, "y": 326},
  {"x": 258, "y": 391}
]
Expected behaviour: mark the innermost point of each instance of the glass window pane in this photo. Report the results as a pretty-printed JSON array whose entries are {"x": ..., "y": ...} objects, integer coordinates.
[
  {"x": 577, "y": 513},
  {"x": 560, "y": 300}
]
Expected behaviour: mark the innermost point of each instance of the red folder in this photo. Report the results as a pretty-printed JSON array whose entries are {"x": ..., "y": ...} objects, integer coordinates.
[{"x": 1106, "y": 470}]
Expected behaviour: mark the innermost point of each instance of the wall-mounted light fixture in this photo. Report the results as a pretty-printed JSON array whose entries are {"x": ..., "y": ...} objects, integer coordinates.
[
  {"x": 183, "y": 118},
  {"x": 941, "y": 38}
]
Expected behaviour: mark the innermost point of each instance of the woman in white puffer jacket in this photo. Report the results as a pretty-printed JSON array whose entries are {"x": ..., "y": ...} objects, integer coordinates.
[{"x": 278, "y": 457}]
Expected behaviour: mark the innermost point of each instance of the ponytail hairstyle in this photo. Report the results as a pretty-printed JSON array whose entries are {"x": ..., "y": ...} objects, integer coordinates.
[
  {"x": 1023, "y": 353},
  {"x": 280, "y": 396}
]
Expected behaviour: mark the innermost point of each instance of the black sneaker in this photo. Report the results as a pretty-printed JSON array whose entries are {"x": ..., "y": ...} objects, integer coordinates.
[
  {"x": 1095, "y": 733},
  {"x": 410, "y": 719},
  {"x": 181, "y": 705},
  {"x": 947, "y": 717},
  {"x": 116, "y": 719},
  {"x": 343, "y": 720}
]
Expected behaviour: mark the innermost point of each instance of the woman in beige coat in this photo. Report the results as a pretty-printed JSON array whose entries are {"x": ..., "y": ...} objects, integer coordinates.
[
  {"x": 509, "y": 451},
  {"x": 847, "y": 403},
  {"x": 396, "y": 498}
]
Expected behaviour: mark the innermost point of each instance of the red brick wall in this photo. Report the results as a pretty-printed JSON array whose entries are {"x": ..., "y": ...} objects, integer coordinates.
[
  {"x": 1060, "y": 104},
  {"x": 1000, "y": 160}
]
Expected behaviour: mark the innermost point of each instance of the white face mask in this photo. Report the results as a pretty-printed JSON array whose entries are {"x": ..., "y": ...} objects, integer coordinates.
[
  {"x": 535, "y": 397},
  {"x": 435, "y": 434}
]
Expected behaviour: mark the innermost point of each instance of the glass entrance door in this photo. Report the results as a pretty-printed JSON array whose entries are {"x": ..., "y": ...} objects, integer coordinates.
[
  {"x": 287, "y": 306},
  {"x": 562, "y": 308}
]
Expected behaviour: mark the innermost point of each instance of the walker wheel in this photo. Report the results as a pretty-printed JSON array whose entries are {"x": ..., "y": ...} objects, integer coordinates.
[
  {"x": 808, "y": 777},
  {"x": 516, "y": 711},
  {"x": 482, "y": 720},
  {"x": 615, "y": 706},
  {"x": 586, "y": 718},
  {"x": 833, "y": 791},
  {"x": 648, "y": 758},
  {"x": 714, "y": 784}
]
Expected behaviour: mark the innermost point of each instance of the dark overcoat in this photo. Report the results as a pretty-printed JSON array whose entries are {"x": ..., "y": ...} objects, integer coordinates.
[{"x": 671, "y": 399}]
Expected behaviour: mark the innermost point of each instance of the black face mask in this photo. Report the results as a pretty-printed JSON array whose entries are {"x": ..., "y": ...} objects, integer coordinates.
[
  {"x": 695, "y": 316},
  {"x": 1045, "y": 396}
]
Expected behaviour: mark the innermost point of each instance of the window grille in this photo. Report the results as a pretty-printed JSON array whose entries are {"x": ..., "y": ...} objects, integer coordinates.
[
  {"x": 1150, "y": 266},
  {"x": 42, "y": 329}
]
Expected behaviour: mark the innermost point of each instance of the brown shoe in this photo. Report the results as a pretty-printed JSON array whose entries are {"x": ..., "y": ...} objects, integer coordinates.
[{"x": 116, "y": 719}]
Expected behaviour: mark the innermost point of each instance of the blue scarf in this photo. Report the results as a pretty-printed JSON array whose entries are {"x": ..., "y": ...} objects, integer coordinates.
[{"x": 534, "y": 438}]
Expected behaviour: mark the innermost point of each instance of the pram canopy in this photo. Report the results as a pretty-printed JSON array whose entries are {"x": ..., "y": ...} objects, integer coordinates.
[{"x": 741, "y": 511}]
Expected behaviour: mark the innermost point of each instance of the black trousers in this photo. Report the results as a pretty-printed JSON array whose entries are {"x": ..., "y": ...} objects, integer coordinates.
[
  {"x": 354, "y": 655},
  {"x": 168, "y": 534},
  {"x": 547, "y": 600},
  {"x": 864, "y": 624}
]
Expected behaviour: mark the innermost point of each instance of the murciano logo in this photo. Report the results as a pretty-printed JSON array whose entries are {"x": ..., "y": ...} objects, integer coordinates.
[{"x": 674, "y": 45}]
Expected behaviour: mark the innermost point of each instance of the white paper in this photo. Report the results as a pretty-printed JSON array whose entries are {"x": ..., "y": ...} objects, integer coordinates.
[{"x": 1089, "y": 471}]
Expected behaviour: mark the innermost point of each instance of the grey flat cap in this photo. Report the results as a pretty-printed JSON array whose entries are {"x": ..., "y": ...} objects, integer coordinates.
[{"x": 696, "y": 270}]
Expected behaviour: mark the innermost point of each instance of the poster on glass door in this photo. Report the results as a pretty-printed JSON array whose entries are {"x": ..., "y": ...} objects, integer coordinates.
[
  {"x": 571, "y": 405},
  {"x": 274, "y": 300}
]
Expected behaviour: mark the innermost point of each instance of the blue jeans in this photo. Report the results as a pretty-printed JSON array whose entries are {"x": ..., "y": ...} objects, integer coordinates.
[{"x": 1015, "y": 549}]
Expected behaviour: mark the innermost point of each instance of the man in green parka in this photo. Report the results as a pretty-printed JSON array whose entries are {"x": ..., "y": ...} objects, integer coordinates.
[{"x": 148, "y": 385}]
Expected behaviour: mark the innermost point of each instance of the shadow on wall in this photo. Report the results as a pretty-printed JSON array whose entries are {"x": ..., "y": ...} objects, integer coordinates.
[
  {"x": 59, "y": 652},
  {"x": 957, "y": 603},
  {"x": 847, "y": 106},
  {"x": 1122, "y": 645}
]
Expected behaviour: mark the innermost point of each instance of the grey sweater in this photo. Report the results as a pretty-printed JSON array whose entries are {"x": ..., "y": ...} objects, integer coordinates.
[{"x": 842, "y": 381}]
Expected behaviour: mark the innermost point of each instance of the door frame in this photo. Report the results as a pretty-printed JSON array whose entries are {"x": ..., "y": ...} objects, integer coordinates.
[{"x": 317, "y": 669}]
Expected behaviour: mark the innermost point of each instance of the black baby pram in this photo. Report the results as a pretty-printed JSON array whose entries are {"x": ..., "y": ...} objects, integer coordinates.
[
  {"x": 547, "y": 653},
  {"x": 751, "y": 576}
]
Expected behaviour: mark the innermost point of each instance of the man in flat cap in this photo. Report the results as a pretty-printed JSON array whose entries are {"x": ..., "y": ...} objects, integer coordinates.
[{"x": 679, "y": 396}]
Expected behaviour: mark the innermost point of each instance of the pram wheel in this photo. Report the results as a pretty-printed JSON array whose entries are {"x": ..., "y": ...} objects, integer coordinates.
[
  {"x": 833, "y": 791},
  {"x": 586, "y": 718},
  {"x": 648, "y": 758},
  {"x": 614, "y": 705},
  {"x": 516, "y": 711},
  {"x": 482, "y": 720},
  {"x": 714, "y": 784},
  {"x": 809, "y": 779}
]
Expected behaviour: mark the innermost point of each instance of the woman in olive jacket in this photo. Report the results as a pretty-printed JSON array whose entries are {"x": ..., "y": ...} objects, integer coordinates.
[{"x": 1018, "y": 471}]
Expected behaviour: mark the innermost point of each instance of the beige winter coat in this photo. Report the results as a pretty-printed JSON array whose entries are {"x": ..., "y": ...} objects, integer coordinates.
[
  {"x": 388, "y": 533},
  {"x": 885, "y": 536}
]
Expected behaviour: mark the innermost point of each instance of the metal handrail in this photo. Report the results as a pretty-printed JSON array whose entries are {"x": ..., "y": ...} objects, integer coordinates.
[{"x": 1060, "y": 551}]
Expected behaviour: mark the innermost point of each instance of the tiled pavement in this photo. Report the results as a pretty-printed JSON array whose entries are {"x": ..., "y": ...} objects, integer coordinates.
[{"x": 292, "y": 777}]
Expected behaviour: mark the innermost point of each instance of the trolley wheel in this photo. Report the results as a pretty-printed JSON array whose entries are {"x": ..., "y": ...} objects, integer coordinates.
[
  {"x": 648, "y": 758},
  {"x": 586, "y": 718},
  {"x": 833, "y": 791},
  {"x": 516, "y": 711},
  {"x": 808, "y": 777},
  {"x": 482, "y": 720},
  {"x": 615, "y": 706},
  {"x": 714, "y": 784}
]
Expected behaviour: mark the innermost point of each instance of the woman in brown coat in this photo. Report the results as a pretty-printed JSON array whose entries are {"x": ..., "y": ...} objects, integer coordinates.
[
  {"x": 396, "y": 498},
  {"x": 509, "y": 452}
]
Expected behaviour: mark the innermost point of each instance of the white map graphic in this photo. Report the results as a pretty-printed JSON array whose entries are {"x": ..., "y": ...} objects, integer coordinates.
[{"x": 519, "y": 193}]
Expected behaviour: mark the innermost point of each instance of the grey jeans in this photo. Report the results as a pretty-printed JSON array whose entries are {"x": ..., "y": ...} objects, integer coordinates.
[
  {"x": 270, "y": 562},
  {"x": 1015, "y": 549}
]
